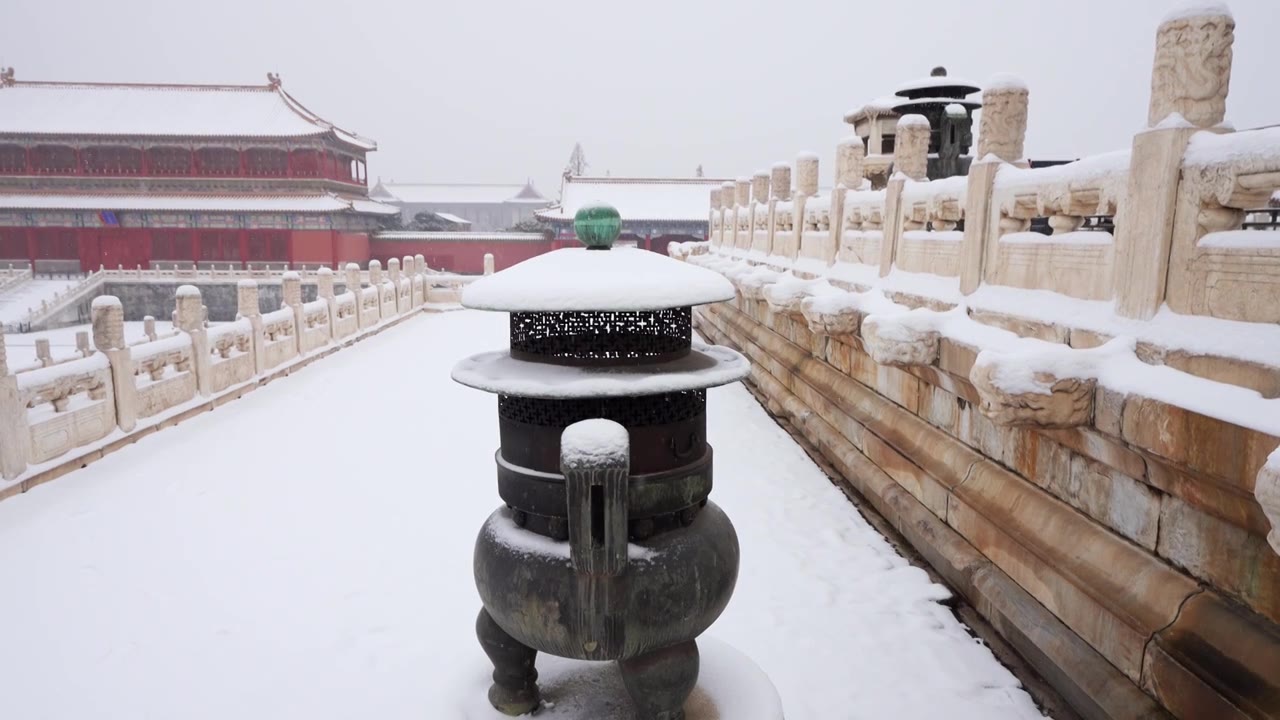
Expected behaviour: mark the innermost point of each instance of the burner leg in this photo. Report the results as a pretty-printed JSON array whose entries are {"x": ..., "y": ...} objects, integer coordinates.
[
  {"x": 661, "y": 681},
  {"x": 515, "y": 687}
]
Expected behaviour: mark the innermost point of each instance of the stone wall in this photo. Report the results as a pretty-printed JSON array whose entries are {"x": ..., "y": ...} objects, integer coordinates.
[
  {"x": 1078, "y": 431},
  {"x": 59, "y": 414}
]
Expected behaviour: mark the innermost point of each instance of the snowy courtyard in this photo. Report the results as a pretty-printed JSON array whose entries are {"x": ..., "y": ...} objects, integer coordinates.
[{"x": 306, "y": 552}]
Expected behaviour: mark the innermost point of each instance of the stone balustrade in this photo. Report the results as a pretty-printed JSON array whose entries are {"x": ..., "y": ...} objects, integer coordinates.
[
  {"x": 62, "y": 413},
  {"x": 1061, "y": 385}
]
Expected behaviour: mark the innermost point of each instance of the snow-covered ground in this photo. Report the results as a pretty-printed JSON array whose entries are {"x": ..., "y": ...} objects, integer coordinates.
[
  {"x": 15, "y": 304},
  {"x": 306, "y": 552}
]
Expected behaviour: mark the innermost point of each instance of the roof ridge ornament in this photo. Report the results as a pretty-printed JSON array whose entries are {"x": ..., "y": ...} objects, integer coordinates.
[
  {"x": 273, "y": 80},
  {"x": 7, "y": 78}
]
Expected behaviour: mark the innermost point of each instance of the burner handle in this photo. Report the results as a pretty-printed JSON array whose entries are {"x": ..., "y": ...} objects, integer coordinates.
[{"x": 595, "y": 460}]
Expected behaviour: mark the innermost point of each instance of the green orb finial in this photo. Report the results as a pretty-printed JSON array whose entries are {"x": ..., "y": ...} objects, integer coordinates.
[{"x": 597, "y": 225}]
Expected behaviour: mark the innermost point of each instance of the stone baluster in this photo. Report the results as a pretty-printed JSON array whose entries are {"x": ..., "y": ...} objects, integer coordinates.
[
  {"x": 375, "y": 273},
  {"x": 149, "y": 327},
  {"x": 352, "y": 272},
  {"x": 760, "y": 187},
  {"x": 911, "y": 149},
  {"x": 247, "y": 307},
  {"x": 82, "y": 343},
  {"x": 107, "y": 315},
  {"x": 807, "y": 174},
  {"x": 741, "y": 198},
  {"x": 291, "y": 290},
  {"x": 1000, "y": 140},
  {"x": 393, "y": 270},
  {"x": 189, "y": 317},
  {"x": 1189, "y": 82},
  {"x": 781, "y": 182},
  {"x": 324, "y": 291},
  {"x": 712, "y": 214},
  {"x": 15, "y": 438},
  {"x": 43, "y": 352},
  {"x": 420, "y": 263},
  {"x": 851, "y": 154},
  {"x": 488, "y": 263},
  {"x": 1003, "y": 130}
]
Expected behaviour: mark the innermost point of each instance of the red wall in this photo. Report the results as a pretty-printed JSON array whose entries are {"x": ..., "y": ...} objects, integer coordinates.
[
  {"x": 465, "y": 257},
  {"x": 311, "y": 247},
  {"x": 351, "y": 247}
]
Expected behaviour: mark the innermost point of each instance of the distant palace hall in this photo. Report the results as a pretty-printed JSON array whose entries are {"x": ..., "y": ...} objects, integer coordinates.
[{"x": 143, "y": 174}]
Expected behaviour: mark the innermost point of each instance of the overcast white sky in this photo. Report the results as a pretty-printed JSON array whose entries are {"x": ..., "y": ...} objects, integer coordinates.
[{"x": 500, "y": 91}]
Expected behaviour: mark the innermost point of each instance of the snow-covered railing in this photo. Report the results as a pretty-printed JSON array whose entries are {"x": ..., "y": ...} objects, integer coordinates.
[
  {"x": 62, "y": 301},
  {"x": 863, "y": 232},
  {"x": 59, "y": 405},
  {"x": 11, "y": 278},
  {"x": 1219, "y": 265},
  {"x": 1061, "y": 383},
  {"x": 931, "y": 211}
]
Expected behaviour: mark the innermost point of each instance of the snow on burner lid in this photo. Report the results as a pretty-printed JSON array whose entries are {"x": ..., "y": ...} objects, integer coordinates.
[
  {"x": 498, "y": 372},
  {"x": 579, "y": 279}
]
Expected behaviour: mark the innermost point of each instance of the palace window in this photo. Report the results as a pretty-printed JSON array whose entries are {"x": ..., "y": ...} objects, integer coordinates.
[
  {"x": 268, "y": 246},
  {"x": 13, "y": 159},
  {"x": 13, "y": 243},
  {"x": 219, "y": 246},
  {"x": 218, "y": 161},
  {"x": 267, "y": 162},
  {"x": 170, "y": 161},
  {"x": 112, "y": 160},
  {"x": 56, "y": 244},
  {"x": 171, "y": 245},
  {"x": 53, "y": 159},
  {"x": 306, "y": 163}
]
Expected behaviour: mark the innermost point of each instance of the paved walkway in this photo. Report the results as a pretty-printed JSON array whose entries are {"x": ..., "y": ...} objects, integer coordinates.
[{"x": 306, "y": 552}]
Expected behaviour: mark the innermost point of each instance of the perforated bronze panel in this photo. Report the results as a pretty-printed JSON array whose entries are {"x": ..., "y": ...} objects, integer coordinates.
[
  {"x": 602, "y": 338},
  {"x": 639, "y": 411}
]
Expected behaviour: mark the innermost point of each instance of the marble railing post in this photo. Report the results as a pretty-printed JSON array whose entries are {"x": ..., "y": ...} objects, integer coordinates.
[
  {"x": 324, "y": 291},
  {"x": 1189, "y": 82},
  {"x": 712, "y": 214},
  {"x": 1000, "y": 140},
  {"x": 409, "y": 273},
  {"x": 15, "y": 438},
  {"x": 760, "y": 187},
  {"x": 291, "y": 290},
  {"x": 806, "y": 189},
  {"x": 247, "y": 307},
  {"x": 729, "y": 217},
  {"x": 911, "y": 149},
  {"x": 742, "y": 199},
  {"x": 393, "y": 270},
  {"x": 188, "y": 316},
  {"x": 420, "y": 263},
  {"x": 851, "y": 154},
  {"x": 352, "y": 272},
  {"x": 375, "y": 282},
  {"x": 107, "y": 315},
  {"x": 780, "y": 187},
  {"x": 488, "y": 263}
]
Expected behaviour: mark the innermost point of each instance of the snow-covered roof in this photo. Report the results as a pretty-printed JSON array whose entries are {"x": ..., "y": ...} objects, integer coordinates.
[
  {"x": 578, "y": 279},
  {"x": 154, "y": 202},
  {"x": 498, "y": 372},
  {"x": 459, "y": 193},
  {"x": 413, "y": 235},
  {"x": 178, "y": 111},
  {"x": 450, "y": 217},
  {"x": 637, "y": 199},
  {"x": 879, "y": 106},
  {"x": 936, "y": 81}
]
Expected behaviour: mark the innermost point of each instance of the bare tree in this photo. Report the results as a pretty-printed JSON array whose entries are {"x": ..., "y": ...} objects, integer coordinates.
[{"x": 577, "y": 161}]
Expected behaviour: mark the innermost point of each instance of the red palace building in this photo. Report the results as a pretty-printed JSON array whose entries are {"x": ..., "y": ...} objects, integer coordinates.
[{"x": 137, "y": 175}]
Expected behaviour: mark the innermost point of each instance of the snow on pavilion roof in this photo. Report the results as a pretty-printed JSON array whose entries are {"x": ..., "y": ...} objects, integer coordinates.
[
  {"x": 637, "y": 199},
  {"x": 616, "y": 280},
  {"x": 459, "y": 193},
  {"x": 178, "y": 111},
  {"x": 195, "y": 203}
]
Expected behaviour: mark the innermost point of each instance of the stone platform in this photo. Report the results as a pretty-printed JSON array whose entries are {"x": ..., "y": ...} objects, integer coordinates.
[{"x": 730, "y": 687}]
